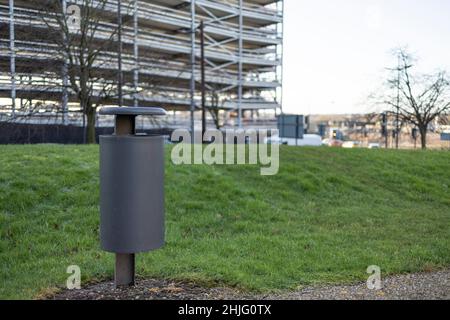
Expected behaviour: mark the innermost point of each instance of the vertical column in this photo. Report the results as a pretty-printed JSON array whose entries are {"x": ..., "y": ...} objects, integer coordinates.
[
  {"x": 193, "y": 30},
  {"x": 30, "y": 101},
  {"x": 21, "y": 105},
  {"x": 240, "y": 67},
  {"x": 119, "y": 53},
  {"x": 124, "y": 272},
  {"x": 65, "y": 95},
  {"x": 203, "y": 85},
  {"x": 12, "y": 56},
  {"x": 281, "y": 73},
  {"x": 136, "y": 53}
]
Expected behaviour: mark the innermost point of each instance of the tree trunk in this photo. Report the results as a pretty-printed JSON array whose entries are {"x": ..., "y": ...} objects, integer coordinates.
[
  {"x": 423, "y": 137},
  {"x": 91, "y": 125},
  {"x": 83, "y": 121}
]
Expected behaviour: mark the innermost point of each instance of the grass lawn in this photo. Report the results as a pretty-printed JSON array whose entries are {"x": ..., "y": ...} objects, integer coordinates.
[{"x": 327, "y": 216}]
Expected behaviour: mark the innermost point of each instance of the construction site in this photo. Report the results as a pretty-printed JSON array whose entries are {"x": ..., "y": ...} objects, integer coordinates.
[{"x": 221, "y": 55}]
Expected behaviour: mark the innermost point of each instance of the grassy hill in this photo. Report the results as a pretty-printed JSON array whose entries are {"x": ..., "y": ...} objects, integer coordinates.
[{"x": 326, "y": 217}]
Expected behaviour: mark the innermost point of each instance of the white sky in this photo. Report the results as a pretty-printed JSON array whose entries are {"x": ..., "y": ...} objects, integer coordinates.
[{"x": 336, "y": 51}]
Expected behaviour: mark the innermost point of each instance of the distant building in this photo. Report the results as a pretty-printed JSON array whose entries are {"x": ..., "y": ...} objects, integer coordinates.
[{"x": 243, "y": 51}]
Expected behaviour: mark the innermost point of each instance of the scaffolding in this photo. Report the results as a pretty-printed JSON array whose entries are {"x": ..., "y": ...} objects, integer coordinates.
[{"x": 160, "y": 58}]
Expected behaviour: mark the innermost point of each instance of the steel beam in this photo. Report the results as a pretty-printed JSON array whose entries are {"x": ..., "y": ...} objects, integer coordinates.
[
  {"x": 192, "y": 84},
  {"x": 240, "y": 67},
  {"x": 119, "y": 53},
  {"x": 65, "y": 68},
  {"x": 203, "y": 82},
  {"x": 279, "y": 91},
  {"x": 12, "y": 57},
  {"x": 136, "y": 52}
]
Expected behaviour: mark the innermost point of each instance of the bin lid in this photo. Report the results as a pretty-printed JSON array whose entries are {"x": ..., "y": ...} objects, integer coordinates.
[{"x": 132, "y": 111}]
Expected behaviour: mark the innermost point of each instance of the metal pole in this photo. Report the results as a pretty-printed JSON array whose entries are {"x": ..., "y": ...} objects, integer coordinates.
[
  {"x": 119, "y": 52},
  {"x": 136, "y": 53},
  {"x": 125, "y": 263},
  {"x": 282, "y": 58},
  {"x": 12, "y": 56},
  {"x": 241, "y": 22},
  {"x": 124, "y": 272},
  {"x": 192, "y": 89},
  {"x": 65, "y": 95},
  {"x": 30, "y": 101},
  {"x": 202, "y": 45}
]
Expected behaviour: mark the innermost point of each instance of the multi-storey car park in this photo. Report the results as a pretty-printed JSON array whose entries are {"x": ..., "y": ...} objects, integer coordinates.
[{"x": 160, "y": 59}]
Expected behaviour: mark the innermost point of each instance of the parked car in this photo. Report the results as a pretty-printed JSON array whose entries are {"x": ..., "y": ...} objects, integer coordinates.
[
  {"x": 351, "y": 144},
  {"x": 334, "y": 143},
  {"x": 374, "y": 146},
  {"x": 310, "y": 140}
]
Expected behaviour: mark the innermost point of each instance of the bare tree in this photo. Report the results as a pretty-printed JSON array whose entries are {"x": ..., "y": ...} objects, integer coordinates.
[
  {"x": 422, "y": 99},
  {"x": 85, "y": 40}
]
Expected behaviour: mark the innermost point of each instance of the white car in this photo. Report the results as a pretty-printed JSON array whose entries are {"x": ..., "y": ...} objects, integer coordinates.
[
  {"x": 351, "y": 144},
  {"x": 311, "y": 140},
  {"x": 374, "y": 146}
]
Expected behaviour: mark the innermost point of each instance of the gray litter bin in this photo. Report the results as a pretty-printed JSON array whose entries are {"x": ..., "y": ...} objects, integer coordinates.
[{"x": 131, "y": 191}]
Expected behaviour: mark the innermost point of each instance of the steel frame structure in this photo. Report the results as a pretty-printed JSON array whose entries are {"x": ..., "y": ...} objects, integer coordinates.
[{"x": 243, "y": 54}]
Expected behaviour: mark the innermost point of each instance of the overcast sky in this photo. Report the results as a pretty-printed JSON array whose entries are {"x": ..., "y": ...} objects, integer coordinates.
[{"x": 336, "y": 51}]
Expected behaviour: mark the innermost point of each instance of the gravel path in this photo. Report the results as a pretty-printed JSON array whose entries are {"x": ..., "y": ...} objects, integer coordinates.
[{"x": 423, "y": 286}]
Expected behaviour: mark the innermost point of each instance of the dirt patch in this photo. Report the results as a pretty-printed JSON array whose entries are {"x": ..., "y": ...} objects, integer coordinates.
[{"x": 150, "y": 289}]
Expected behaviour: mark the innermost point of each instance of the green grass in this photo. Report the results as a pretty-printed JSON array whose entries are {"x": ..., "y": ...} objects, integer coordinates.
[{"x": 326, "y": 217}]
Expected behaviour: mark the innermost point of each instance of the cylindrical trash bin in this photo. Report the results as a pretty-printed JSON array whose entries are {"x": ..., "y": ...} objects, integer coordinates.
[{"x": 131, "y": 191}]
